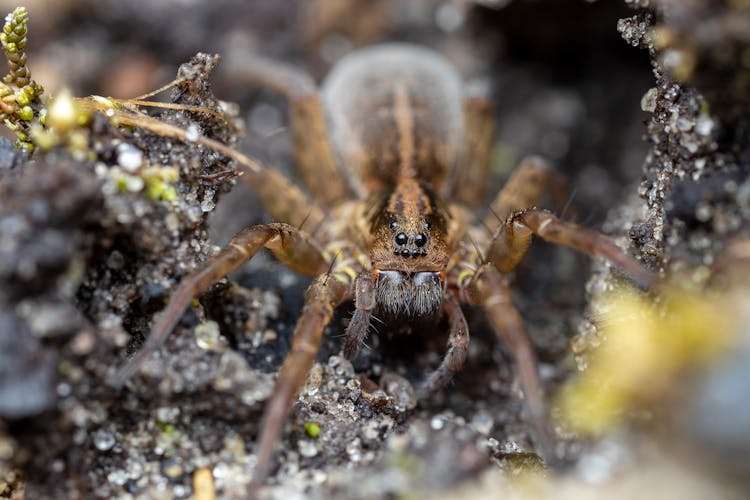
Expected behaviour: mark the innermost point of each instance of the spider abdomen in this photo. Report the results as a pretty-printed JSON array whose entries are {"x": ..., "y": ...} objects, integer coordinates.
[{"x": 394, "y": 111}]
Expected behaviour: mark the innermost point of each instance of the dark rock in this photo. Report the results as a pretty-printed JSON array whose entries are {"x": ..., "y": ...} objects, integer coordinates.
[{"x": 28, "y": 372}]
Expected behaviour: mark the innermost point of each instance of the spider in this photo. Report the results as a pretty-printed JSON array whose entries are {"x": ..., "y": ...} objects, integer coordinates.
[{"x": 394, "y": 149}]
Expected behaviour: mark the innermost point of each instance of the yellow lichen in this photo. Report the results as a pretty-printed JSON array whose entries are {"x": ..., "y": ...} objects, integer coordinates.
[{"x": 646, "y": 348}]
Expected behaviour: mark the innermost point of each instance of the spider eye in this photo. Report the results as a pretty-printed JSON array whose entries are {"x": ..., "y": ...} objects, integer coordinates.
[
  {"x": 394, "y": 225},
  {"x": 401, "y": 239},
  {"x": 420, "y": 240}
]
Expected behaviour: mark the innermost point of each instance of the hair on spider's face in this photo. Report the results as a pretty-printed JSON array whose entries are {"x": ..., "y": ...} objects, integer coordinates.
[{"x": 401, "y": 294}]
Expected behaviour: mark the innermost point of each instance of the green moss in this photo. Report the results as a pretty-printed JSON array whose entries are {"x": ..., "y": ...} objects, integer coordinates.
[
  {"x": 312, "y": 429},
  {"x": 23, "y": 99},
  {"x": 169, "y": 194},
  {"x": 26, "y": 113},
  {"x": 158, "y": 181},
  {"x": 166, "y": 428},
  {"x": 122, "y": 183},
  {"x": 20, "y": 103}
]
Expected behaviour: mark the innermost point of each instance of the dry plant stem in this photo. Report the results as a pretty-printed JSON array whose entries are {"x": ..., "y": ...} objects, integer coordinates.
[
  {"x": 291, "y": 247},
  {"x": 321, "y": 298},
  {"x": 161, "y": 89},
  {"x": 141, "y": 100},
  {"x": 171, "y": 105},
  {"x": 294, "y": 207}
]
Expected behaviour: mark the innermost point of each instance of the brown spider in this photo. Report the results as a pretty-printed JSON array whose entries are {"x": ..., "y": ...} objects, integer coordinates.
[{"x": 394, "y": 149}]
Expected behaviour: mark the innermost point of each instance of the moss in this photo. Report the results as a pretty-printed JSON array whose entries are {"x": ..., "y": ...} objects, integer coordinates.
[
  {"x": 21, "y": 103},
  {"x": 312, "y": 429},
  {"x": 166, "y": 427},
  {"x": 646, "y": 348},
  {"x": 159, "y": 182}
]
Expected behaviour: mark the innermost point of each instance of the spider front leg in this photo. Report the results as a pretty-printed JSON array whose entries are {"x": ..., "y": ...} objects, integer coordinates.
[
  {"x": 533, "y": 178},
  {"x": 488, "y": 289},
  {"x": 514, "y": 238},
  {"x": 321, "y": 299},
  {"x": 458, "y": 347},
  {"x": 290, "y": 245}
]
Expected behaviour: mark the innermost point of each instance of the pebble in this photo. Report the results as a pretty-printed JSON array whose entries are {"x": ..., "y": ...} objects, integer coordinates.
[
  {"x": 193, "y": 132},
  {"x": 172, "y": 468},
  {"x": 118, "y": 477},
  {"x": 129, "y": 157},
  {"x": 307, "y": 448},
  {"x": 371, "y": 431},
  {"x": 704, "y": 125},
  {"x": 103, "y": 440},
  {"x": 354, "y": 450},
  {"x": 437, "y": 422},
  {"x": 207, "y": 335},
  {"x": 648, "y": 101},
  {"x": 482, "y": 422},
  {"x": 167, "y": 414}
]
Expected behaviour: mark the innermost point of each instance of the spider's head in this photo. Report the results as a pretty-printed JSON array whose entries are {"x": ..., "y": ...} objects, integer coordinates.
[{"x": 409, "y": 250}]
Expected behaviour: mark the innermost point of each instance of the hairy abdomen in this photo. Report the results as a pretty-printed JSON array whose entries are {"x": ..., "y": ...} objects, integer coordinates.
[{"x": 394, "y": 112}]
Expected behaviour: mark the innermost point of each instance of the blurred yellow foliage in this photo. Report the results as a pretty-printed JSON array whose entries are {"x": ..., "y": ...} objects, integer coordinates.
[{"x": 647, "y": 347}]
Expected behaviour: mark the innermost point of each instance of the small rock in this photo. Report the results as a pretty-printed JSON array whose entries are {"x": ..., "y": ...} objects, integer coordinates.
[
  {"x": 104, "y": 440},
  {"x": 307, "y": 448},
  {"x": 398, "y": 388}
]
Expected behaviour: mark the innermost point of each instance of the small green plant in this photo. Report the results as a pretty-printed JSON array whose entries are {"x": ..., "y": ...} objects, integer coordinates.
[
  {"x": 21, "y": 106},
  {"x": 312, "y": 429},
  {"x": 64, "y": 121},
  {"x": 20, "y": 96}
]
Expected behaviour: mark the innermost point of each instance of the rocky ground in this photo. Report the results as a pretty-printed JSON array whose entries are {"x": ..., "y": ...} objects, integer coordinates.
[{"x": 642, "y": 104}]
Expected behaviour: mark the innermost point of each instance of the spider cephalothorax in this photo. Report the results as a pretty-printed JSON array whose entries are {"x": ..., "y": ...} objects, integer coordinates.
[
  {"x": 408, "y": 251},
  {"x": 395, "y": 153}
]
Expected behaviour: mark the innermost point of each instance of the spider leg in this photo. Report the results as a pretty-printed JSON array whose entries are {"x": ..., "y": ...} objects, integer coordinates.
[
  {"x": 364, "y": 303},
  {"x": 458, "y": 346},
  {"x": 488, "y": 289},
  {"x": 321, "y": 298},
  {"x": 281, "y": 199},
  {"x": 313, "y": 151},
  {"x": 514, "y": 238},
  {"x": 470, "y": 175},
  {"x": 533, "y": 178},
  {"x": 290, "y": 245}
]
